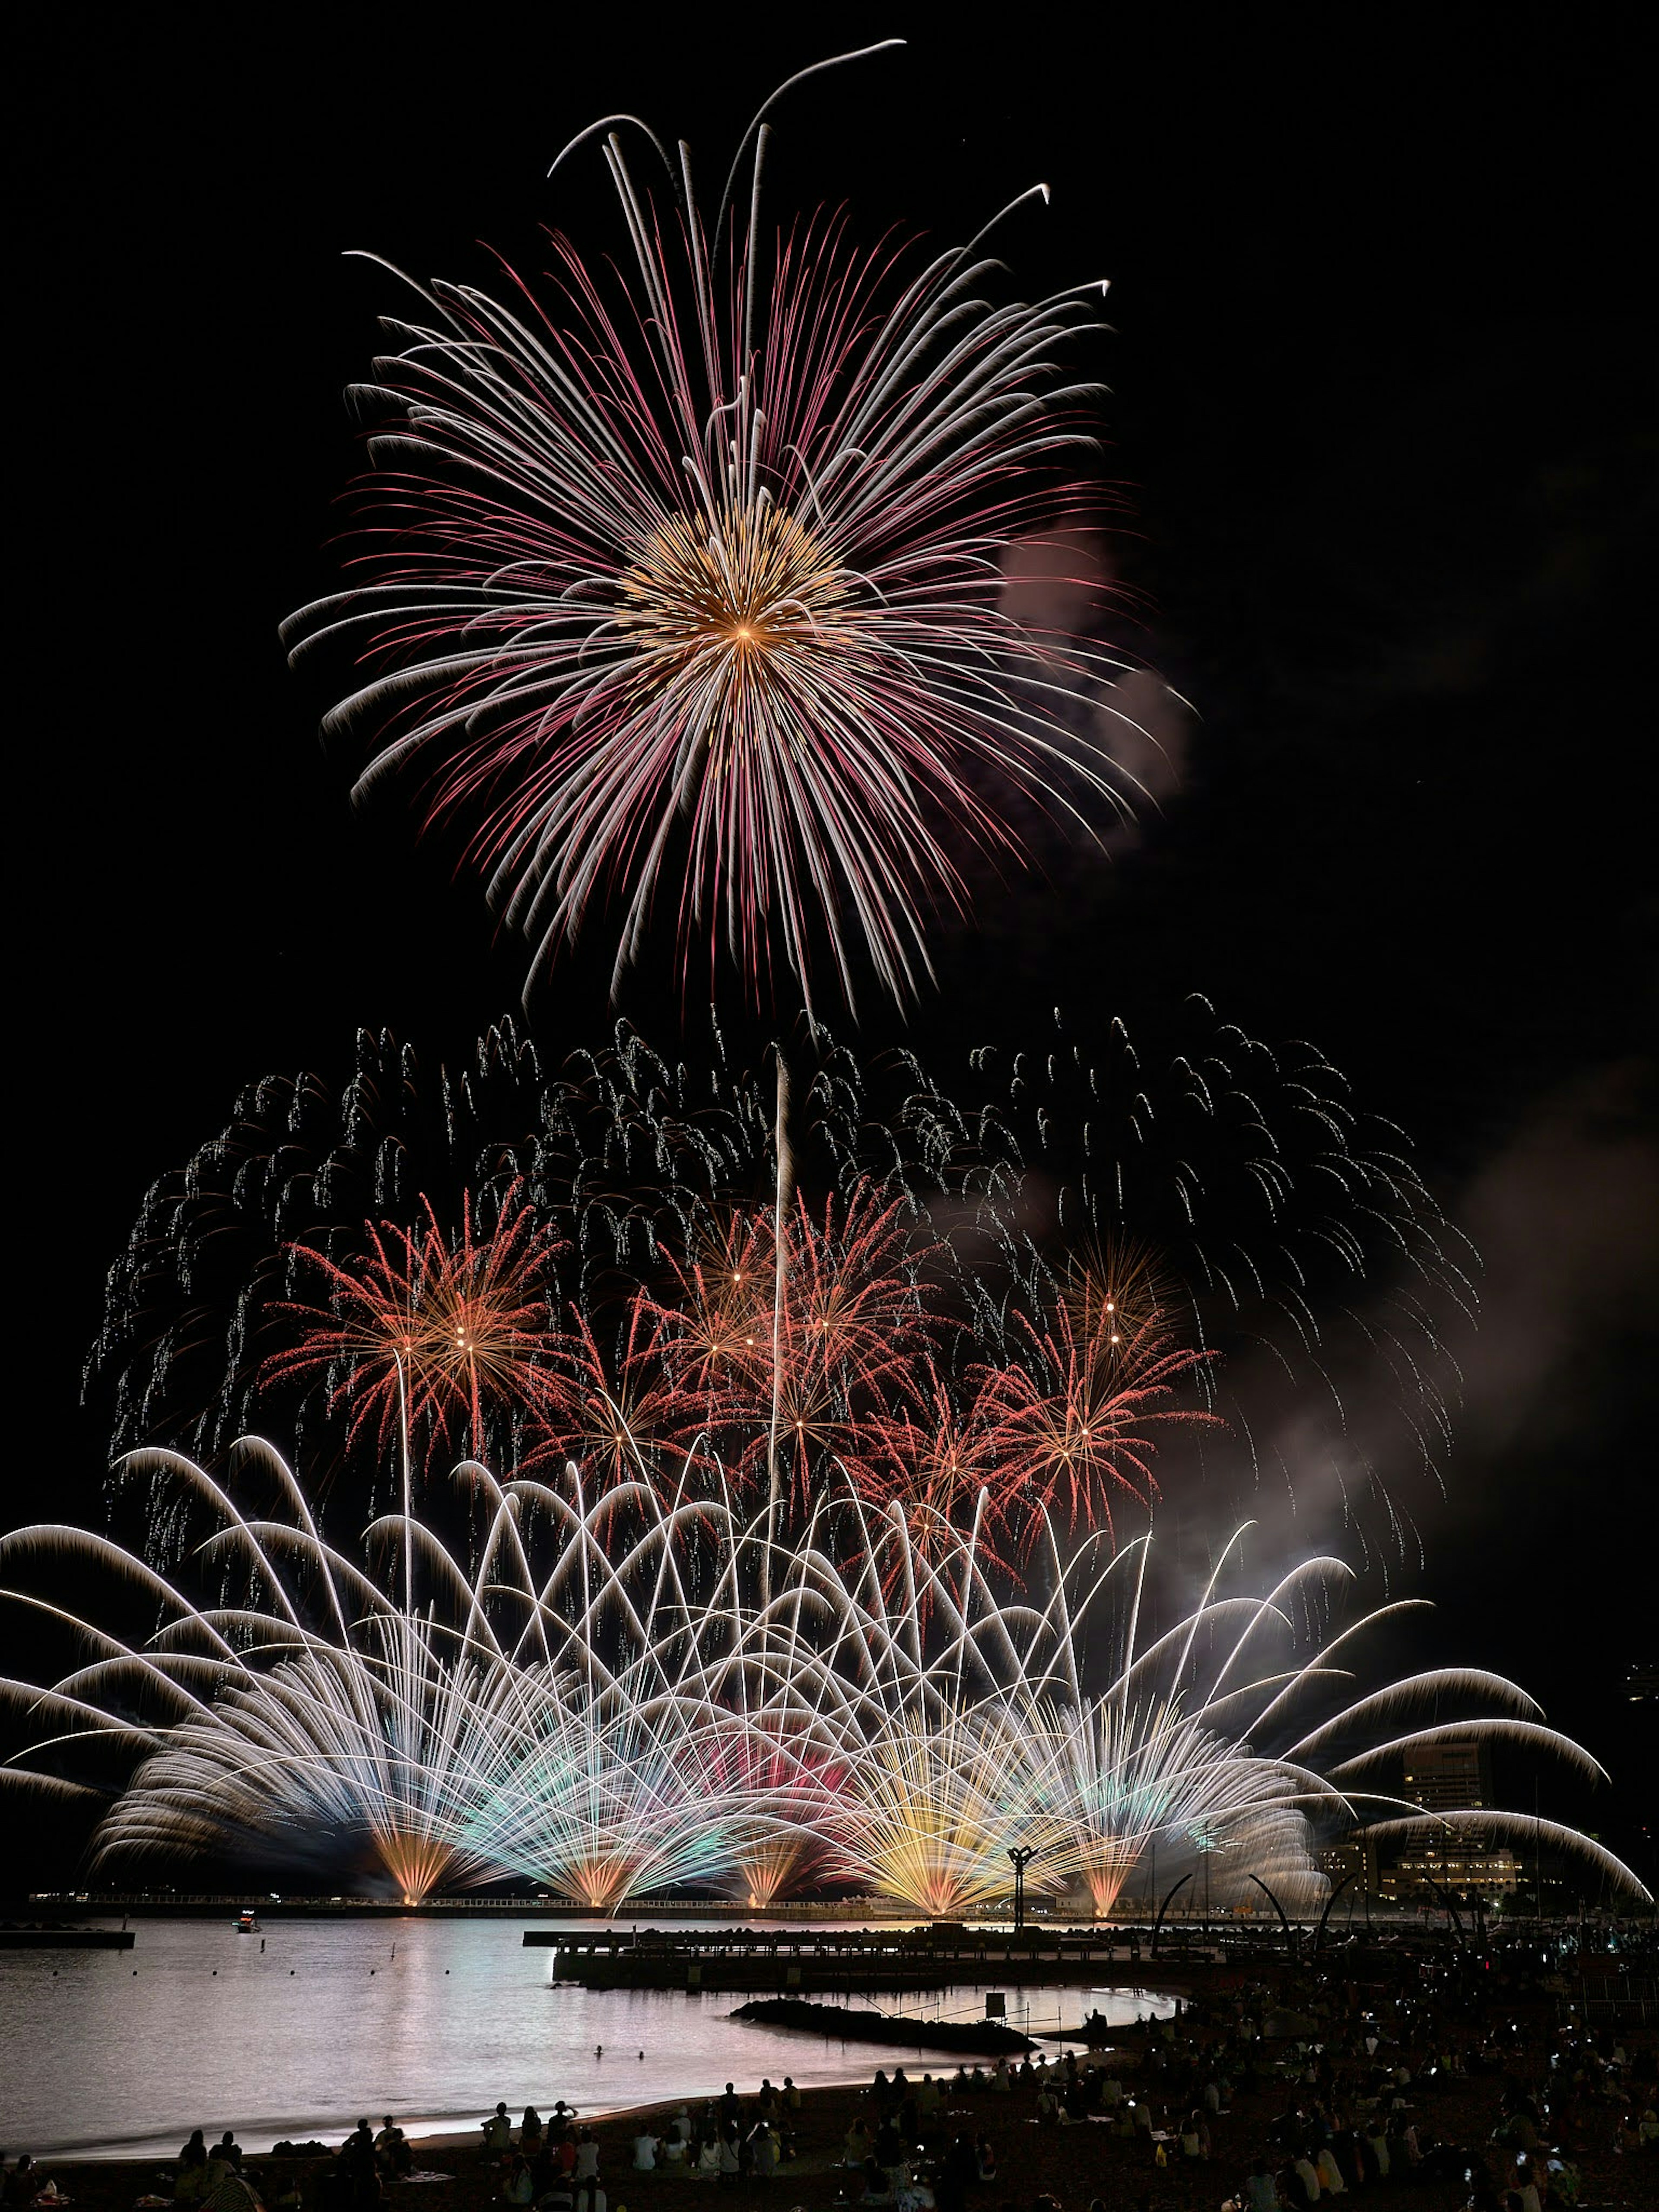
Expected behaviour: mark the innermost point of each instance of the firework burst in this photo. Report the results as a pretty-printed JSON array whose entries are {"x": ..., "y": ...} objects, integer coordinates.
[
  {"x": 433, "y": 1334},
  {"x": 1069, "y": 1424},
  {"x": 1264, "y": 1250},
  {"x": 688, "y": 574}
]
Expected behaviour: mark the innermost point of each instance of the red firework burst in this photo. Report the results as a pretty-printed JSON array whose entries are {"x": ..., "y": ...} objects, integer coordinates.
[
  {"x": 804, "y": 1361},
  {"x": 431, "y": 1332},
  {"x": 1066, "y": 1425},
  {"x": 932, "y": 1461}
]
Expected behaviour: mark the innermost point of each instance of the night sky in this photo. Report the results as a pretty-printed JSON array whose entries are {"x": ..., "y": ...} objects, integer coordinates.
[{"x": 1380, "y": 425}]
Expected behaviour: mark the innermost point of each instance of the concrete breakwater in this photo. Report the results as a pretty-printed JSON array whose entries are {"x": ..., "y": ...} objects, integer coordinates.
[{"x": 989, "y": 2038}]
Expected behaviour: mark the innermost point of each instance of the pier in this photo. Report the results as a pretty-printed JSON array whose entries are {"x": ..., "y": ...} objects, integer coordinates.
[{"x": 842, "y": 1961}]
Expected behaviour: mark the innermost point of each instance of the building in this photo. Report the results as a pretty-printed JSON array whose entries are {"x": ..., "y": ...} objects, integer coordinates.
[
  {"x": 1453, "y": 1775},
  {"x": 1354, "y": 1862}
]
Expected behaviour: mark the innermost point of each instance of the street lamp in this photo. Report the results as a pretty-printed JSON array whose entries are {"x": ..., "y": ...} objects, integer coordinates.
[{"x": 1020, "y": 1856}]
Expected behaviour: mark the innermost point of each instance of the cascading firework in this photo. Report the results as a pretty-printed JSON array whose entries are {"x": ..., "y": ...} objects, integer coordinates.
[
  {"x": 1084, "y": 1234},
  {"x": 625, "y": 1696}
]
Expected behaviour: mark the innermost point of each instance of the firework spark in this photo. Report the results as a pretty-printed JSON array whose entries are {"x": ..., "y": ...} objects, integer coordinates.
[
  {"x": 427, "y": 1332},
  {"x": 625, "y": 1695},
  {"x": 690, "y": 575},
  {"x": 1218, "y": 1193}
]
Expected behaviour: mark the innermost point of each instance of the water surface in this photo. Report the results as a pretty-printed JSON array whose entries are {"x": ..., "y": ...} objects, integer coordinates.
[{"x": 120, "y": 2054}]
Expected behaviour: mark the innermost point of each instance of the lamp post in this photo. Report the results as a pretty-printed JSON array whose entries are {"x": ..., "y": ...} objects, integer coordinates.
[{"x": 1020, "y": 1856}]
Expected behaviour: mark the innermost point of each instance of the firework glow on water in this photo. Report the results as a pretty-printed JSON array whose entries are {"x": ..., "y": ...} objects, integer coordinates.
[
  {"x": 621, "y": 1697},
  {"x": 680, "y": 579}
]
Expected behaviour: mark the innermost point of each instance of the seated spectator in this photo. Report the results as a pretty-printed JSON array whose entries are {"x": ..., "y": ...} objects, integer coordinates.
[
  {"x": 392, "y": 2150},
  {"x": 191, "y": 2183},
  {"x": 519, "y": 2187},
  {"x": 878, "y": 2188},
  {"x": 1260, "y": 2190},
  {"x": 646, "y": 2147},
  {"x": 355, "y": 2175},
  {"x": 731, "y": 2155},
  {"x": 225, "y": 2158},
  {"x": 230, "y": 2193}
]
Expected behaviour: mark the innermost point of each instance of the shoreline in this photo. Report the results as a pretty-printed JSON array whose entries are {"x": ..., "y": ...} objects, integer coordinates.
[{"x": 1072, "y": 2165}]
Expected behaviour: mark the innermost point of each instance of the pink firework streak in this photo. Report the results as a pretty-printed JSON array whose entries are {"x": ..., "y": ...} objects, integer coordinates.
[{"x": 686, "y": 578}]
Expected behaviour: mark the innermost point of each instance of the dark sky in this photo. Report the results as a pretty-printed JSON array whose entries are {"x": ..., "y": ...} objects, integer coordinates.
[{"x": 1381, "y": 363}]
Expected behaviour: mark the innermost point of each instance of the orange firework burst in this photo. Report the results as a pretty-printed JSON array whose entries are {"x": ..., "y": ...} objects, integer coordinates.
[
  {"x": 803, "y": 1352},
  {"x": 1067, "y": 1424},
  {"x": 425, "y": 1331},
  {"x": 933, "y": 1461},
  {"x": 616, "y": 1410}
]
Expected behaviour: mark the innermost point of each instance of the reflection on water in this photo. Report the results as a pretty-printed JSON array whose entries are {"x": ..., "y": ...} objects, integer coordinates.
[{"x": 119, "y": 2054}]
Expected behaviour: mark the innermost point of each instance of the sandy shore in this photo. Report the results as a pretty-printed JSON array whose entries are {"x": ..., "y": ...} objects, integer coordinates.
[{"x": 1071, "y": 2164}]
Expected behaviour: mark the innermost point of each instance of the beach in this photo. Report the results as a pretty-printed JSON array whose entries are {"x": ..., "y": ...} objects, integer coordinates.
[{"x": 1072, "y": 2164}]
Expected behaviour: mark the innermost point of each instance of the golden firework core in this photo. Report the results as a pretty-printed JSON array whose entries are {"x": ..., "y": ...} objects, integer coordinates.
[{"x": 729, "y": 599}]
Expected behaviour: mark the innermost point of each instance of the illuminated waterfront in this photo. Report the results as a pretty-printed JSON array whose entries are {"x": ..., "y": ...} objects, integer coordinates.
[{"x": 297, "y": 2031}]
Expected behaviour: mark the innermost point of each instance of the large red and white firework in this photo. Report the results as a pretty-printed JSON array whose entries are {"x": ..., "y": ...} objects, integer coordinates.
[{"x": 682, "y": 584}]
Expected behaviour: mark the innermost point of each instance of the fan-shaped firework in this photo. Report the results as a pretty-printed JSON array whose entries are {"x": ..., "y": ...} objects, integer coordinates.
[
  {"x": 625, "y": 1696},
  {"x": 690, "y": 575},
  {"x": 1258, "y": 1241},
  {"x": 447, "y": 1723}
]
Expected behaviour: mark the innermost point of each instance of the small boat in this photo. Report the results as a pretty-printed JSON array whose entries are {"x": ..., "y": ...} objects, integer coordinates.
[{"x": 246, "y": 1923}]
